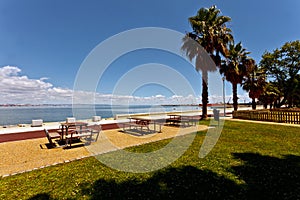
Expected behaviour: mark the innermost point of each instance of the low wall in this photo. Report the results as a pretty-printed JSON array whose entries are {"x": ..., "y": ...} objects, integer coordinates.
[{"x": 40, "y": 133}]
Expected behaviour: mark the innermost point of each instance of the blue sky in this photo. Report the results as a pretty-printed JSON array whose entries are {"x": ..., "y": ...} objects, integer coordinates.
[{"x": 47, "y": 41}]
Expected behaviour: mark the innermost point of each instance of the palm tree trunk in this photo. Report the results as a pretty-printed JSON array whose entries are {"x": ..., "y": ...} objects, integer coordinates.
[
  {"x": 253, "y": 104},
  {"x": 266, "y": 105},
  {"x": 204, "y": 94},
  {"x": 234, "y": 98}
]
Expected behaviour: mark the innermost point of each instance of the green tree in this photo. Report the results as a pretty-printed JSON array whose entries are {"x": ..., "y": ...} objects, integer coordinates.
[
  {"x": 211, "y": 33},
  {"x": 255, "y": 83},
  {"x": 283, "y": 66},
  {"x": 297, "y": 88},
  {"x": 269, "y": 96},
  {"x": 235, "y": 67}
]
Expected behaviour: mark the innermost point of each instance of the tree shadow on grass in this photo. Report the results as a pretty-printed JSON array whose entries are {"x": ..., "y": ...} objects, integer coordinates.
[
  {"x": 265, "y": 177},
  {"x": 42, "y": 196},
  {"x": 269, "y": 177},
  {"x": 174, "y": 183}
]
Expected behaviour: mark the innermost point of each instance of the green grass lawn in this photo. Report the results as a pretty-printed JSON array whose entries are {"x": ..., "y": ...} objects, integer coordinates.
[{"x": 250, "y": 161}]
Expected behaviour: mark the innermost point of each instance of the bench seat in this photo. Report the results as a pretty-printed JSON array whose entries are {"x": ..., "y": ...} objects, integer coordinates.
[{"x": 87, "y": 133}]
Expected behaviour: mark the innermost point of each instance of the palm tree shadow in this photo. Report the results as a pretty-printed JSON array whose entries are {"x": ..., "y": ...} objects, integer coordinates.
[
  {"x": 42, "y": 196},
  {"x": 173, "y": 183},
  {"x": 265, "y": 177},
  {"x": 269, "y": 177}
]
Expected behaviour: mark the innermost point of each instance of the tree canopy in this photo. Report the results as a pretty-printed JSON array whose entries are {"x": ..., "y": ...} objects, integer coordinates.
[
  {"x": 255, "y": 83},
  {"x": 275, "y": 81},
  {"x": 282, "y": 66}
]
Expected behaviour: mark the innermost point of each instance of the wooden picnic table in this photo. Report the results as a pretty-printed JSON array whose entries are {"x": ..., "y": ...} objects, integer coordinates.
[
  {"x": 184, "y": 118},
  {"x": 79, "y": 130},
  {"x": 144, "y": 122}
]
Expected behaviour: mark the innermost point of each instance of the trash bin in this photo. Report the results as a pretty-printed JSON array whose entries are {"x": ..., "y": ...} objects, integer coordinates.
[{"x": 216, "y": 114}]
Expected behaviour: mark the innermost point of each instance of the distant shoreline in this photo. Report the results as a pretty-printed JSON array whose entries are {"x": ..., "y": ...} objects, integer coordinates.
[
  {"x": 68, "y": 105},
  {"x": 32, "y": 105}
]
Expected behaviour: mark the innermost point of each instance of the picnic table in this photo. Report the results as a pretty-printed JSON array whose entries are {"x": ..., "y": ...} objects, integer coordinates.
[
  {"x": 145, "y": 122},
  {"x": 78, "y": 130},
  {"x": 183, "y": 118}
]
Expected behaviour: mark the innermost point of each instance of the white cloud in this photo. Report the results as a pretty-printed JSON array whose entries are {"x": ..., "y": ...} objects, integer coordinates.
[
  {"x": 159, "y": 96},
  {"x": 9, "y": 71},
  {"x": 176, "y": 96},
  {"x": 44, "y": 78},
  {"x": 16, "y": 88}
]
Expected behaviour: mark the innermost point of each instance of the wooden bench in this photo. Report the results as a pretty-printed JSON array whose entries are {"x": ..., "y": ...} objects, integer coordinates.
[
  {"x": 50, "y": 136},
  {"x": 72, "y": 135},
  {"x": 96, "y": 130}
]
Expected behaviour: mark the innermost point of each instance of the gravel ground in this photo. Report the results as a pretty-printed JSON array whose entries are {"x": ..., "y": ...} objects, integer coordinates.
[{"x": 27, "y": 155}]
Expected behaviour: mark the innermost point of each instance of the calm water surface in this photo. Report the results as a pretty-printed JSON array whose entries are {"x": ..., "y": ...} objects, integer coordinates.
[{"x": 24, "y": 115}]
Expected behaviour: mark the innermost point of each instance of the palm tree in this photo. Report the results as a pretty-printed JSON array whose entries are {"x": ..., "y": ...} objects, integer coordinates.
[
  {"x": 235, "y": 67},
  {"x": 255, "y": 83},
  {"x": 209, "y": 36},
  {"x": 270, "y": 94}
]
